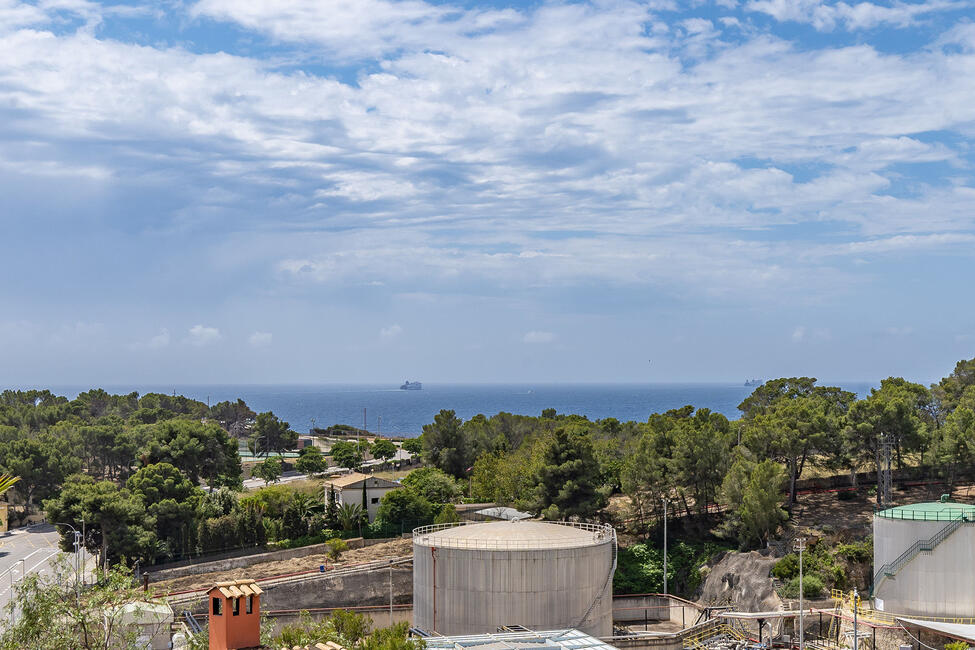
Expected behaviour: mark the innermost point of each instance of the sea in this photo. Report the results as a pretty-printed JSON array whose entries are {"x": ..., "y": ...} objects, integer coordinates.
[{"x": 385, "y": 409}]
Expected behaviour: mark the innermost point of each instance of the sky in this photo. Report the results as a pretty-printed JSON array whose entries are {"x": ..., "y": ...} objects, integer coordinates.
[{"x": 304, "y": 191}]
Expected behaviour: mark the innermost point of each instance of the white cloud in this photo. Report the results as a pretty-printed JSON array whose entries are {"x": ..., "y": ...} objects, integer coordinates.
[
  {"x": 390, "y": 333},
  {"x": 538, "y": 337},
  {"x": 260, "y": 339},
  {"x": 799, "y": 333},
  {"x": 160, "y": 340},
  {"x": 200, "y": 335},
  {"x": 826, "y": 16}
]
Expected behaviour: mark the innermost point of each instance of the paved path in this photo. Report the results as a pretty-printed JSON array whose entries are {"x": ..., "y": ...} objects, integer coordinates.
[{"x": 26, "y": 549}]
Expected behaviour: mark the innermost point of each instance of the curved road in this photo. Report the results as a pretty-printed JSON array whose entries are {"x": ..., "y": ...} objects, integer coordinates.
[{"x": 28, "y": 549}]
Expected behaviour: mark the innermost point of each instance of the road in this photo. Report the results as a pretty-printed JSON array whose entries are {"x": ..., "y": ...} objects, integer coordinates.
[{"x": 25, "y": 549}]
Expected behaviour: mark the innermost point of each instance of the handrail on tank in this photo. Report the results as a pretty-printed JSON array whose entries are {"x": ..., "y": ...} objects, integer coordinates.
[
  {"x": 602, "y": 533},
  {"x": 911, "y": 514}
]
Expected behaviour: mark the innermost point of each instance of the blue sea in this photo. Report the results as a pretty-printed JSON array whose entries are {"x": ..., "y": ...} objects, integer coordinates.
[{"x": 393, "y": 411}]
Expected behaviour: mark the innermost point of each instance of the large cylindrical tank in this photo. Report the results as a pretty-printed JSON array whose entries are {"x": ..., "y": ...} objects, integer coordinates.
[
  {"x": 924, "y": 559},
  {"x": 474, "y": 577}
]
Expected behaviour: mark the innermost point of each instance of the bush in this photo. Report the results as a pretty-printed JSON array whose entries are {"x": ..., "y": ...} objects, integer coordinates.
[
  {"x": 812, "y": 587},
  {"x": 335, "y": 549},
  {"x": 857, "y": 552},
  {"x": 402, "y": 505},
  {"x": 787, "y": 568},
  {"x": 956, "y": 645}
]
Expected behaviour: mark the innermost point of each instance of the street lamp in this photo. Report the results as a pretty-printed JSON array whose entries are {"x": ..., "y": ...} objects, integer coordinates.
[
  {"x": 801, "y": 546},
  {"x": 77, "y": 545}
]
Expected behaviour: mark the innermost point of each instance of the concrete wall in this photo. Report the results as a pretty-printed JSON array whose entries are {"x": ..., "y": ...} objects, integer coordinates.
[
  {"x": 180, "y": 569},
  {"x": 651, "y": 609},
  {"x": 363, "y": 589},
  {"x": 472, "y": 591},
  {"x": 939, "y": 583}
]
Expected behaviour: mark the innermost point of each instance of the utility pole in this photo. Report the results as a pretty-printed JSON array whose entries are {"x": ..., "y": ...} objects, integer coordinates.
[
  {"x": 801, "y": 546},
  {"x": 391, "y": 593},
  {"x": 856, "y": 630},
  {"x": 665, "y": 547}
]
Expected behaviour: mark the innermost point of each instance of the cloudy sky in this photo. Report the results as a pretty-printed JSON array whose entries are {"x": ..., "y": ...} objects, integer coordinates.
[{"x": 369, "y": 190}]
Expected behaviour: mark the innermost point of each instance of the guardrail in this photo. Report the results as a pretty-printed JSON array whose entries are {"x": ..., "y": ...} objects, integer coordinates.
[
  {"x": 943, "y": 514},
  {"x": 601, "y": 533}
]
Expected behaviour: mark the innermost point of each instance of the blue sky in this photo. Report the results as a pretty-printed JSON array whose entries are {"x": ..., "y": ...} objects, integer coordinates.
[{"x": 369, "y": 190}]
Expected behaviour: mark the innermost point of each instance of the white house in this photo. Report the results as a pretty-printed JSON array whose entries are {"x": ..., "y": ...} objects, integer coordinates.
[{"x": 348, "y": 489}]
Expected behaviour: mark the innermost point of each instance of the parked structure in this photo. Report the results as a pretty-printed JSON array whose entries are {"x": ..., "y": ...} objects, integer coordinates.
[
  {"x": 473, "y": 577},
  {"x": 923, "y": 556},
  {"x": 349, "y": 489}
]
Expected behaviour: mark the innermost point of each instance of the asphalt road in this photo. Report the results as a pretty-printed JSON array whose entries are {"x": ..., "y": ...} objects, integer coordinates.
[{"x": 26, "y": 549}]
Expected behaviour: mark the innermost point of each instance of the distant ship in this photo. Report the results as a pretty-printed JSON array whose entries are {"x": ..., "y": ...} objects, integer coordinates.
[
  {"x": 748, "y": 382},
  {"x": 411, "y": 385}
]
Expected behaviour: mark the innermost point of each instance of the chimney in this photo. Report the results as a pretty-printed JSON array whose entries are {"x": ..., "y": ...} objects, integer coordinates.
[{"x": 235, "y": 615}]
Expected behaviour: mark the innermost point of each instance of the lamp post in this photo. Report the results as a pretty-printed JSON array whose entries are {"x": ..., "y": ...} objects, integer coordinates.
[
  {"x": 856, "y": 631},
  {"x": 77, "y": 545},
  {"x": 801, "y": 546}
]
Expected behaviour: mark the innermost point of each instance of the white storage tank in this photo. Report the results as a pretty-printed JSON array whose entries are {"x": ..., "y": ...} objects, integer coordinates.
[
  {"x": 924, "y": 559},
  {"x": 473, "y": 577}
]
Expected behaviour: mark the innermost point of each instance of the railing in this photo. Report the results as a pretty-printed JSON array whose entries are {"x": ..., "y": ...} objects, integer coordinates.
[
  {"x": 943, "y": 514},
  {"x": 601, "y": 533},
  {"x": 921, "y": 546},
  {"x": 710, "y": 633}
]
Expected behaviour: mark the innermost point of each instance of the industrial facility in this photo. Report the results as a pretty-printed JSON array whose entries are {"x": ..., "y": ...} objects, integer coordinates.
[
  {"x": 918, "y": 555},
  {"x": 474, "y": 577}
]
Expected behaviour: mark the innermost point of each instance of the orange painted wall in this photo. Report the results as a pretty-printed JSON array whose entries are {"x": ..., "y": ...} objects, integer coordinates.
[{"x": 229, "y": 632}]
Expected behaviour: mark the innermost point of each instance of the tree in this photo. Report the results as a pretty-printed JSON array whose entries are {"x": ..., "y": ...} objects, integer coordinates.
[
  {"x": 6, "y": 482},
  {"x": 114, "y": 519},
  {"x": 234, "y": 417},
  {"x": 331, "y": 509},
  {"x": 953, "y": 445},
  {"x": 346, "y": 454},
  {"x": 447, "y": 515},
  {"x": 568, "y": 480},
  {"x": 269, "y": 470},
  {"x": 432, "y": 484},
  {"x": 172, "y": 504},
  {"x": 404, "y": 507},
  {"x": 349, "y": 516},
  {"x": 445, "y": 445},
  {"x": 752, "y": 493},
  {"x": 271, "y": 435},
  {"x": 54, "y": 613},
  {"x": 948, "y": 391},
  {"x": 311, "y": 461},
  {"x": 42, "y": 461},
  {"x": 790, "y": 419},
  {"x": 200, "y": 451},
  {"x": 383, "y": 449},
  {"x": 413, "y": 446},
  {"x": 896, "y": 409}
]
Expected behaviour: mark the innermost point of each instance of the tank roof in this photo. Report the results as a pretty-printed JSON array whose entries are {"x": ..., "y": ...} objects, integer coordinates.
[
  {"x": 930, "y": 511},
  {"x": 513, "y": 535}
]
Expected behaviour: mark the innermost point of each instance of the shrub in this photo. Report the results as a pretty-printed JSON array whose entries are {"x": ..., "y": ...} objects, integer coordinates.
[
  {"x": 335, "y": 548},
  {"x": 812, "y": 587},
  {"x": 786, "y": 568}
]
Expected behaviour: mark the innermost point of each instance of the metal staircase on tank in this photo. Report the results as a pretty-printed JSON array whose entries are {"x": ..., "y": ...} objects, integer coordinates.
[{"x": 891, "y": 569}]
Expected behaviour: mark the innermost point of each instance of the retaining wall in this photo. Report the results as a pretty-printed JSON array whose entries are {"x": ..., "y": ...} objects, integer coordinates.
[{"x": 250, "y": 558}]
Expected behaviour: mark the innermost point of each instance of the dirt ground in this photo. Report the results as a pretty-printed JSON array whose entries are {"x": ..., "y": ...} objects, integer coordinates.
[
  {"x": 855, "y": 517},
  {"x": 382, "y": 551}
]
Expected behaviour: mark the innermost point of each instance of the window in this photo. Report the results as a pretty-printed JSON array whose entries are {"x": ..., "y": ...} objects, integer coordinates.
[
  {"x": 375, "y": 499},
  {"x": 250, "y": 604},
  {"x": 236, "y": 606},
  {"x": 217, "y": 606}
]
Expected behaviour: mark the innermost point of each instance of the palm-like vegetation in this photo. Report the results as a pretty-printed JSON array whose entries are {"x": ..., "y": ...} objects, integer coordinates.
[{"x": 6, "y": 482}]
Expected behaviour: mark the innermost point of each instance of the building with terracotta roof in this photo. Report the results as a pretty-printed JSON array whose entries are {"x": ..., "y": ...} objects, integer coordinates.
[{"x": 349, "y": 488}]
